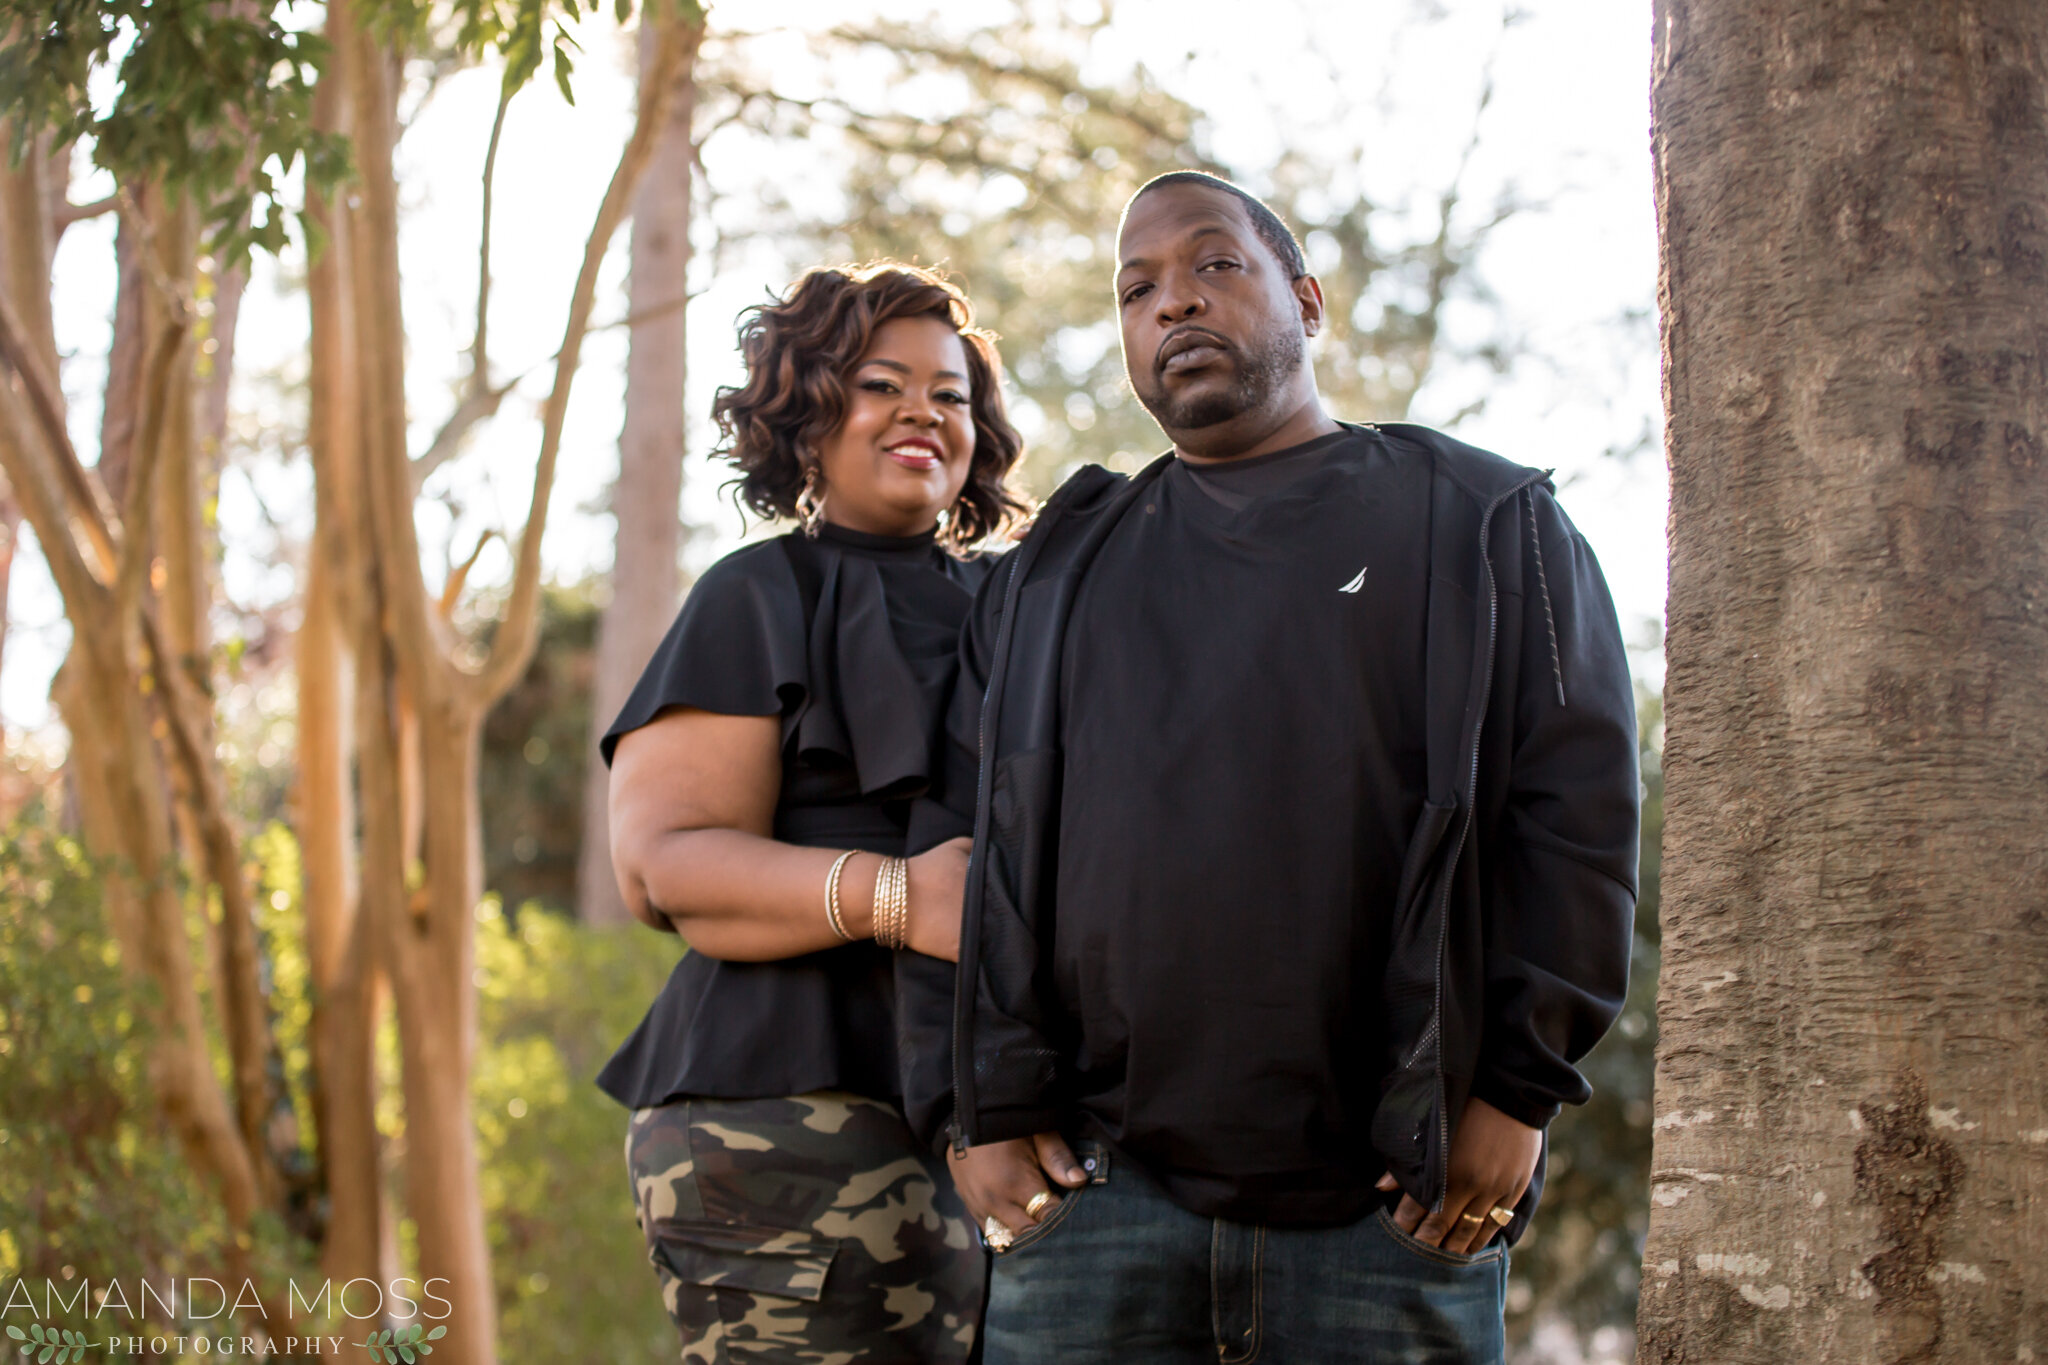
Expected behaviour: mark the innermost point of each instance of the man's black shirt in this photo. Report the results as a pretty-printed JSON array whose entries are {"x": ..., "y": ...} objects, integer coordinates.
[{"x": 1242, "y": 719}]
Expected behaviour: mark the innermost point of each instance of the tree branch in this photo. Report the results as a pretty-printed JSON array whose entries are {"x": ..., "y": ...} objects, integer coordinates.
[
  {"x": 479, "y": 404},
  {"x": 78, "y": 213},
  {"x": 451, "y": 591},
  {"x": 479, "y": 351},
  {"x": 905, "y": 42},
  {"x": 133, "y": 570},
  {"x": 519, "y": 629},
  {"x": 31, "y": 479},
  {"x": 87, "y": 501}
]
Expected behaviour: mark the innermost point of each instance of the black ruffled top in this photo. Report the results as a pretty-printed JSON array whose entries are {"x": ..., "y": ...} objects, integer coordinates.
[{"x": 850, "y": 639}]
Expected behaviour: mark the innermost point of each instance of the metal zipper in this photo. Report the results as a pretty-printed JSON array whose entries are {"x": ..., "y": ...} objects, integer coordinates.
[{"x": 1443, "y": 933}]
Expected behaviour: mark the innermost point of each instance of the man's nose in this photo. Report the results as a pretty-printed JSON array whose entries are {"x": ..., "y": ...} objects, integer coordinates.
[{"x": 1178, "y": 302}]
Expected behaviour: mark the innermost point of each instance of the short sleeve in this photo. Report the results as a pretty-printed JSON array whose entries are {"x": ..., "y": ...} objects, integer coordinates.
[{"x": 736, "y": 647}]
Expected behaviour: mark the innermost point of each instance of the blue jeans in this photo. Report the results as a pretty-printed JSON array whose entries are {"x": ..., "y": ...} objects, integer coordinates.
[{"x": 1119, "y": 1274}]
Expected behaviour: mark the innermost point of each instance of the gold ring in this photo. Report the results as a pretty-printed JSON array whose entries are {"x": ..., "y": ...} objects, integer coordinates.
[
  {"x": 1470, "y": 1218},
  {"x": 996, "y": 1235},
  {"x": 1038, "y": 1203},
  {"x": 1501, "y": 1215}
]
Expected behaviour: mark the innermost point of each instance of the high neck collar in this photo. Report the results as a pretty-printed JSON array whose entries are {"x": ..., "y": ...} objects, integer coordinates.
[{"x": 868, "y": 542}]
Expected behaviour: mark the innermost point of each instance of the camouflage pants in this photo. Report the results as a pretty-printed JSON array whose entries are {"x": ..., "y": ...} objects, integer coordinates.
[{"x": 806, "y": 1230}]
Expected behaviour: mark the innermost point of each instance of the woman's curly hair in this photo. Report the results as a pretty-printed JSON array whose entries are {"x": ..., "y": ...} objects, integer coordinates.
[{"x": 798, "y": 350}]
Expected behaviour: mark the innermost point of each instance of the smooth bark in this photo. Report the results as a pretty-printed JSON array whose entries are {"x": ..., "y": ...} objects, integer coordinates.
[
  {"x": 341, "y": 948},
  {"x": 646, "y": 498},
  {"x": 1852, "y": 1087},
  {"x": 420, "y": 706}
]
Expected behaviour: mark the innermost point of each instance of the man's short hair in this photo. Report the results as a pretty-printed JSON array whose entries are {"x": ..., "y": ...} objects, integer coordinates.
[{"x": 1272, "y": 231}]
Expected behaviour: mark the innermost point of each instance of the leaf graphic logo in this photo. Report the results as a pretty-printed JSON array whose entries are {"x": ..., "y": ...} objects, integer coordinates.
[{"x": 1355, "y": 584}]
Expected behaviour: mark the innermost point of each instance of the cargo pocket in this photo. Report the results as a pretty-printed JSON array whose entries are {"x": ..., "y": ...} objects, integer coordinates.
[{"x": 771, "y": 1261}]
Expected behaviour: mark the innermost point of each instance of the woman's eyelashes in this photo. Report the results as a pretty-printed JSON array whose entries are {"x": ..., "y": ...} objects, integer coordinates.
[{"x": 883, "y": 386}]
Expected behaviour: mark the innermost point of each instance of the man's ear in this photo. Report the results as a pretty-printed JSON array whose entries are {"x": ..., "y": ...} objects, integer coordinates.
[{"x": 1309, "y": 295}]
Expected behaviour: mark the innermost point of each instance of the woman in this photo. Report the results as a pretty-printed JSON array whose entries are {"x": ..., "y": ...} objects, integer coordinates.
[{"x": 762, "y": 772}]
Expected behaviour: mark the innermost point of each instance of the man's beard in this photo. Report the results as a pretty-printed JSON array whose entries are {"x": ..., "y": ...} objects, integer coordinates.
[{"x": 1262, "y": 370}]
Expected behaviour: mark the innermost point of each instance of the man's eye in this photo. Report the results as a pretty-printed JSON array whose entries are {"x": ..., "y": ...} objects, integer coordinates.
[
  {"x": 1135, "y": 292},
  {"x": 1221, "y": 265}
]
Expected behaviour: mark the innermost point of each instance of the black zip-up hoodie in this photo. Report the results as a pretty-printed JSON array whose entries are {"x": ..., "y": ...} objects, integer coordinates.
[{"x": 1510, "y": 950}]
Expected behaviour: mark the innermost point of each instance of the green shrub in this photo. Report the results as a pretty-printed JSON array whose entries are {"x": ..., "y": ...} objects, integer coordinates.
[
  {"x": 568, "y": 1263},
  {"x": 91, "y": 1187}
]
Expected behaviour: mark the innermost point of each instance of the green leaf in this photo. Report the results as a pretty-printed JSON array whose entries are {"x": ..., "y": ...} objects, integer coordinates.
[
  {"x": 36, "y": 1330},
  {"x": 438, "y": 1333},
  {"x": 16, "y": 1332},
  {"x": 563, "y": 66},
  {"x": 49, "y": 1350},
  {"x": 424, "y": 1349},
  {"x": 405, "y": 1354}
]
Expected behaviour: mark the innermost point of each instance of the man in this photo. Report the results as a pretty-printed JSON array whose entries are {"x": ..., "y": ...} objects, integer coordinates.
[{"x": 1304, "y": 811}]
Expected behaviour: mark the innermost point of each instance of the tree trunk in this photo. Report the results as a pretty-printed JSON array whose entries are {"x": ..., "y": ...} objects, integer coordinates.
[
  {"x": 646, "y": 498},
  {"x": 431, "y": 986},
  {"x": 117, "y": 767},
  {"x": 124, "y": 353},
  {"x": 1852, "y": 1087},
  {"x": 10, "y": 536},
  {"x": 419, "y": 711},
  {"x": 341, "y": 948},
  {"x": 134, "y": 717}
]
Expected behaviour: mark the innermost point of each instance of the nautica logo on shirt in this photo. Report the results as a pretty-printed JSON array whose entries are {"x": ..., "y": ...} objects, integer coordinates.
[{"x": 1355, "y": 584}]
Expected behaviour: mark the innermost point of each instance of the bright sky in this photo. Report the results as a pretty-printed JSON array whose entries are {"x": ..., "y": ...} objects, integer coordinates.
[{"x": 1574, "y": 277}]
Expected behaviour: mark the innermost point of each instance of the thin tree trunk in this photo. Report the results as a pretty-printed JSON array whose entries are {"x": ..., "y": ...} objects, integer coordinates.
[
  {"x": 118, "y": 774},
  {"x": 413, "y": 697},
  {"x": 10, "y": 537},
  {"x": 217, "y": 364},
  {"x": 26, "y": 243},
  {"x": 124, "y": 353},
  {"x": 403, "y": 666},
  {"x": 647, "y": 495},
  {"x": 181, "y": 579},
  {"x": 1852, "y": 1089},
  {"x": 341, "y": 946}
]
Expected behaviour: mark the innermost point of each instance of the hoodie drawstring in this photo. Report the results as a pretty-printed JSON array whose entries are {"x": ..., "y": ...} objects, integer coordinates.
[{"x": 1543, "y": 587}]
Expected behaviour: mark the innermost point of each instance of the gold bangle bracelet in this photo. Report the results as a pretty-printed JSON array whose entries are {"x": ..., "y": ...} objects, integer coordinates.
[
  {"x": 832, "y": 896},
  {"x": 881, "y": 914},
  {"x": 892, "y": 903},
  {"x": 902, "y": 920},
  {"x": 902, "y": 902}
]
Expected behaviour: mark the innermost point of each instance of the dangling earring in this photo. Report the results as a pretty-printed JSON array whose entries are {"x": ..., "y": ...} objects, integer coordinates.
[{"x": 810, "y": 503}]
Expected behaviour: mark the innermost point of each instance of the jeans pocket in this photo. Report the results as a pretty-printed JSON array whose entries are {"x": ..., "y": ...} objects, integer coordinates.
[
  {"x": 1042, "y": 1229},
  {"x": 1449, "y": 1260}
]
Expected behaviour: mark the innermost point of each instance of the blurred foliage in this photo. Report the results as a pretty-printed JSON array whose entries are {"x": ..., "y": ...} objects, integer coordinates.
[
  {"x": 288, "y": 983},
  {"x": 569, "y": 1265},
  {"x": 90, "y": 1187},
  {"x": 211, "y": 100},
  {"x": 536, "y": 747},
  {"x": 1582, "y": 1258},
  {"x": 992, "y": 156}
]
